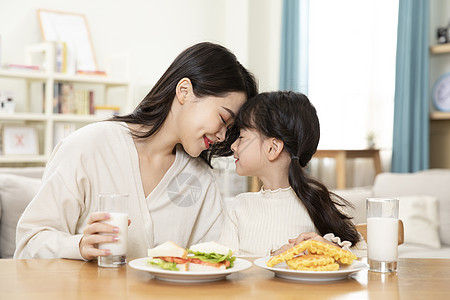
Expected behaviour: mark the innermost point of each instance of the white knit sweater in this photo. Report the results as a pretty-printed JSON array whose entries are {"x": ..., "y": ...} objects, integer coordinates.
[{"x": 258, "y": 222}]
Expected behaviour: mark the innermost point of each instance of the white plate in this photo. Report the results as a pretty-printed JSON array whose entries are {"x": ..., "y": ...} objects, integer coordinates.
[
  {"x": 282, "y": 271},
  {"x": 188, "y": 276}
]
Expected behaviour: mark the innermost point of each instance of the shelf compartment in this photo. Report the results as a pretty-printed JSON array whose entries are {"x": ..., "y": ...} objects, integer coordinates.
[
  {"x": 23, "y": 117},
  {"x": 439, "y": 115},
  {"x": 40, "y": 114},
  {"x": 42, "y": 76},
  {"x": 27, "y": 75},
  {"x": 440, "y": 49},
  {"x": 89, "y": 79},
  {"x": 77, "y": 118},
  {"x": 23, "y": 158}
]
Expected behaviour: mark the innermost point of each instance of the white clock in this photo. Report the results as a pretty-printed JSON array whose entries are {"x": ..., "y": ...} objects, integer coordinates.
[{"x": 441, "y": 93}]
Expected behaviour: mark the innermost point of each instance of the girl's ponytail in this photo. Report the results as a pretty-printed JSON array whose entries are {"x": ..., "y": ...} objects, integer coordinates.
[{"x": 320, "y": 205}]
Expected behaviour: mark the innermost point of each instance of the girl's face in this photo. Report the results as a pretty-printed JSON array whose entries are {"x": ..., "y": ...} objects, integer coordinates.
[
  {"x": 204, "y": 121},
  {"x": 249, "y": 153}
]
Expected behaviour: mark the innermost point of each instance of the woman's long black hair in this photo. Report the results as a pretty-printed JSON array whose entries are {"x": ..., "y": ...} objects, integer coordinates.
[
  {"x": 213, "y": 71},
  {"x": 291, "y": 117}
]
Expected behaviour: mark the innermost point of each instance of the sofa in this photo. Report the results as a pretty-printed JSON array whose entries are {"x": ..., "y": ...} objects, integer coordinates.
[
  {"x": 424, "y": 208},
  {"x": 17, "y": 187}
]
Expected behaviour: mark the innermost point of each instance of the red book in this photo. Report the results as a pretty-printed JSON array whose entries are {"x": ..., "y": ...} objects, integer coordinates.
[{"x": 91, "y": 103}]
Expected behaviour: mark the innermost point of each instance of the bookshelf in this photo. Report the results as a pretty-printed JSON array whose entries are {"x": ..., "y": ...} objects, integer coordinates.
[
  {"x": 106, "y": 92},
  {"x": 439, "y": 121}
]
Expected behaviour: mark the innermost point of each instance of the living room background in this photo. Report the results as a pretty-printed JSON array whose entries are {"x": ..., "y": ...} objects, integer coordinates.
[{"x": 152, "y": 32}]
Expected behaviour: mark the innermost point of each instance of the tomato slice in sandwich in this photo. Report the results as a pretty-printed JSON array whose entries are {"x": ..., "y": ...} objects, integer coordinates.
[{"x": 177, "y": 260}]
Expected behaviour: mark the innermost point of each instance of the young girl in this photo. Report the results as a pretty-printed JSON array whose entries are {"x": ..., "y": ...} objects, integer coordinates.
[
  {"x": 279, "y": 133},
  {"x": 158, "y": 154}
]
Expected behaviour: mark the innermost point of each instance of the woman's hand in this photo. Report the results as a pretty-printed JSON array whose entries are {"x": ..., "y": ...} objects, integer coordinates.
[
  {"x": 93, "y": 235},
  {"x": 309, "y": 236}
]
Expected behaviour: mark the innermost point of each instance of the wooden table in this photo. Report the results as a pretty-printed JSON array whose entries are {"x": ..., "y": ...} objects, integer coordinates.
[
  {"x": 341, "y": 155},
  {"x": 71, "y": 279}
]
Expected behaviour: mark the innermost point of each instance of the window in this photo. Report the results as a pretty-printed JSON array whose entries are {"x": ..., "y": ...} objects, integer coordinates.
[{"x": 352, "y": 48}]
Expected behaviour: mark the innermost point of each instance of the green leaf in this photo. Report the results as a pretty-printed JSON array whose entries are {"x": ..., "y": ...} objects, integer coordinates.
[
  {"x": 163, "y": 264},
  {"x": 214, "y": 257}
]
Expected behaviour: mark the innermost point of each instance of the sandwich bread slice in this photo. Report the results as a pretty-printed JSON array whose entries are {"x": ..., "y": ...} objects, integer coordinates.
[
  {"x": 169, "y": 256},
  {"x": 210, "y": 256}
]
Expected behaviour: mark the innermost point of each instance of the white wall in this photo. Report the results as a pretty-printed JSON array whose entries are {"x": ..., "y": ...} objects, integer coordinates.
[
  {"x": 265, "y": 41},
  {"x": 154, "y": 32}
]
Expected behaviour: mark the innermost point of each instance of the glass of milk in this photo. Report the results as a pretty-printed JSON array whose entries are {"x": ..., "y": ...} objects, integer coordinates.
[
  {"x": 116, "y": 206},
  {"x": 382, "y": 234}
]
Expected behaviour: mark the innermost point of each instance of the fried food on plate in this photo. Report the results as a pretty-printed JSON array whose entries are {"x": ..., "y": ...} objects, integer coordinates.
[
  {"x": 287, "y": 255},
  {"x": 312, "y": 262},
  {"x": 320, "y": 257},
  {"x": 340, "y": 255}
]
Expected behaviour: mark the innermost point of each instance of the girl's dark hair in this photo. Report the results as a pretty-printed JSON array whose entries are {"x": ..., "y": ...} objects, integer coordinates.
[
  {"x": 291, "y": 117},
  {"x": 213, "y": 71}
]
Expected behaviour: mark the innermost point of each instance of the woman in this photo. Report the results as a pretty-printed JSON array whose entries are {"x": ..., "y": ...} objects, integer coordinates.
[{"x": 159, "y": 155}]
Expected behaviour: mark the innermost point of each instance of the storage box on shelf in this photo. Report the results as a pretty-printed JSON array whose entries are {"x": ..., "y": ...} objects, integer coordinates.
[{"x": 46, "y": 119}]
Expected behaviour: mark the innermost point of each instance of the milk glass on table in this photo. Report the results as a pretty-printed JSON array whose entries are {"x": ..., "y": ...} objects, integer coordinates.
[
  {"x": 382, "y": 234},
  {"x": 116, "y": 206}
]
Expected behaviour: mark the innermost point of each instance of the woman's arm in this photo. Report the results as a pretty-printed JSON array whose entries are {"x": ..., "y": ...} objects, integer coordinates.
[
  {"x": 229, "y": 235},
  {"x": 210, "y": 217},
  {"x": 47, "y": 228}
]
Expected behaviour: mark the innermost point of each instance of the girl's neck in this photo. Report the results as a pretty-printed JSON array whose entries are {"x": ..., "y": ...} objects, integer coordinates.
[
  {"x": 275, "y": 173},
  {"x": 275, "y": 181}
]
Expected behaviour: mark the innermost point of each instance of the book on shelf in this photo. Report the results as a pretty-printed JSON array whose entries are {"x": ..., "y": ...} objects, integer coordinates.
[
  {"x": 49, "y": 56},
  {"x": 106, "y": 110},
  {"x": 70, "y": 100},
  {"x": 23, "y": 67},
  {"x": 97, "y": 73},
  {"x": 61, "y": 57}
]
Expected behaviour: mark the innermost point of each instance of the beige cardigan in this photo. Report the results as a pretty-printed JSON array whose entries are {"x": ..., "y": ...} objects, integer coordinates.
[{"x": 185, "y": 207}]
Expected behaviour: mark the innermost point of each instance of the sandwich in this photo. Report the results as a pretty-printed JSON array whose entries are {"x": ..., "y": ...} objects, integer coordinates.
[
  {"x": 201, "y": 257},
  {"x": 210, "y": 256},
  {"x": 168, "y": 256}
]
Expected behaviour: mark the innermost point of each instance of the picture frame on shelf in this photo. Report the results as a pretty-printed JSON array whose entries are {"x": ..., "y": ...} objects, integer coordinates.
[
  {"x": 20, "y": 140},
  {"x": 73, "y": 30}
]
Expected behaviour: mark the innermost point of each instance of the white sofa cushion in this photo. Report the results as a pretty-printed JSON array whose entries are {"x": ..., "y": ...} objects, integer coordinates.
[
  {"x": 357, "y": 197},
  {"x": 33, "y": 172},
  {"x": 420, "y": 220},
  {"x": 421, "y": 251},
  {"x": 15, "y": 194},
  {"x": 434, "y": 182}
]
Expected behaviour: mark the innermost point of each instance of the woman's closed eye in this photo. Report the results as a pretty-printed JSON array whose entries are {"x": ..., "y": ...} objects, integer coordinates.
[
  {"x": 228, "y": 126},
  {"x": 228, "y": 123}
]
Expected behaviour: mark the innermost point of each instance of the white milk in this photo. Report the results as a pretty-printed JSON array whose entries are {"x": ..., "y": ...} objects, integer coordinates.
[
  {"x": 119, "y": 220},
  {"x": 382, "y": 239}
]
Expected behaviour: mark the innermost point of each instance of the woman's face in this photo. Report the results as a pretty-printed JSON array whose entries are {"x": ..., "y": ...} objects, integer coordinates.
[{"x": 204, "y": 121}]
